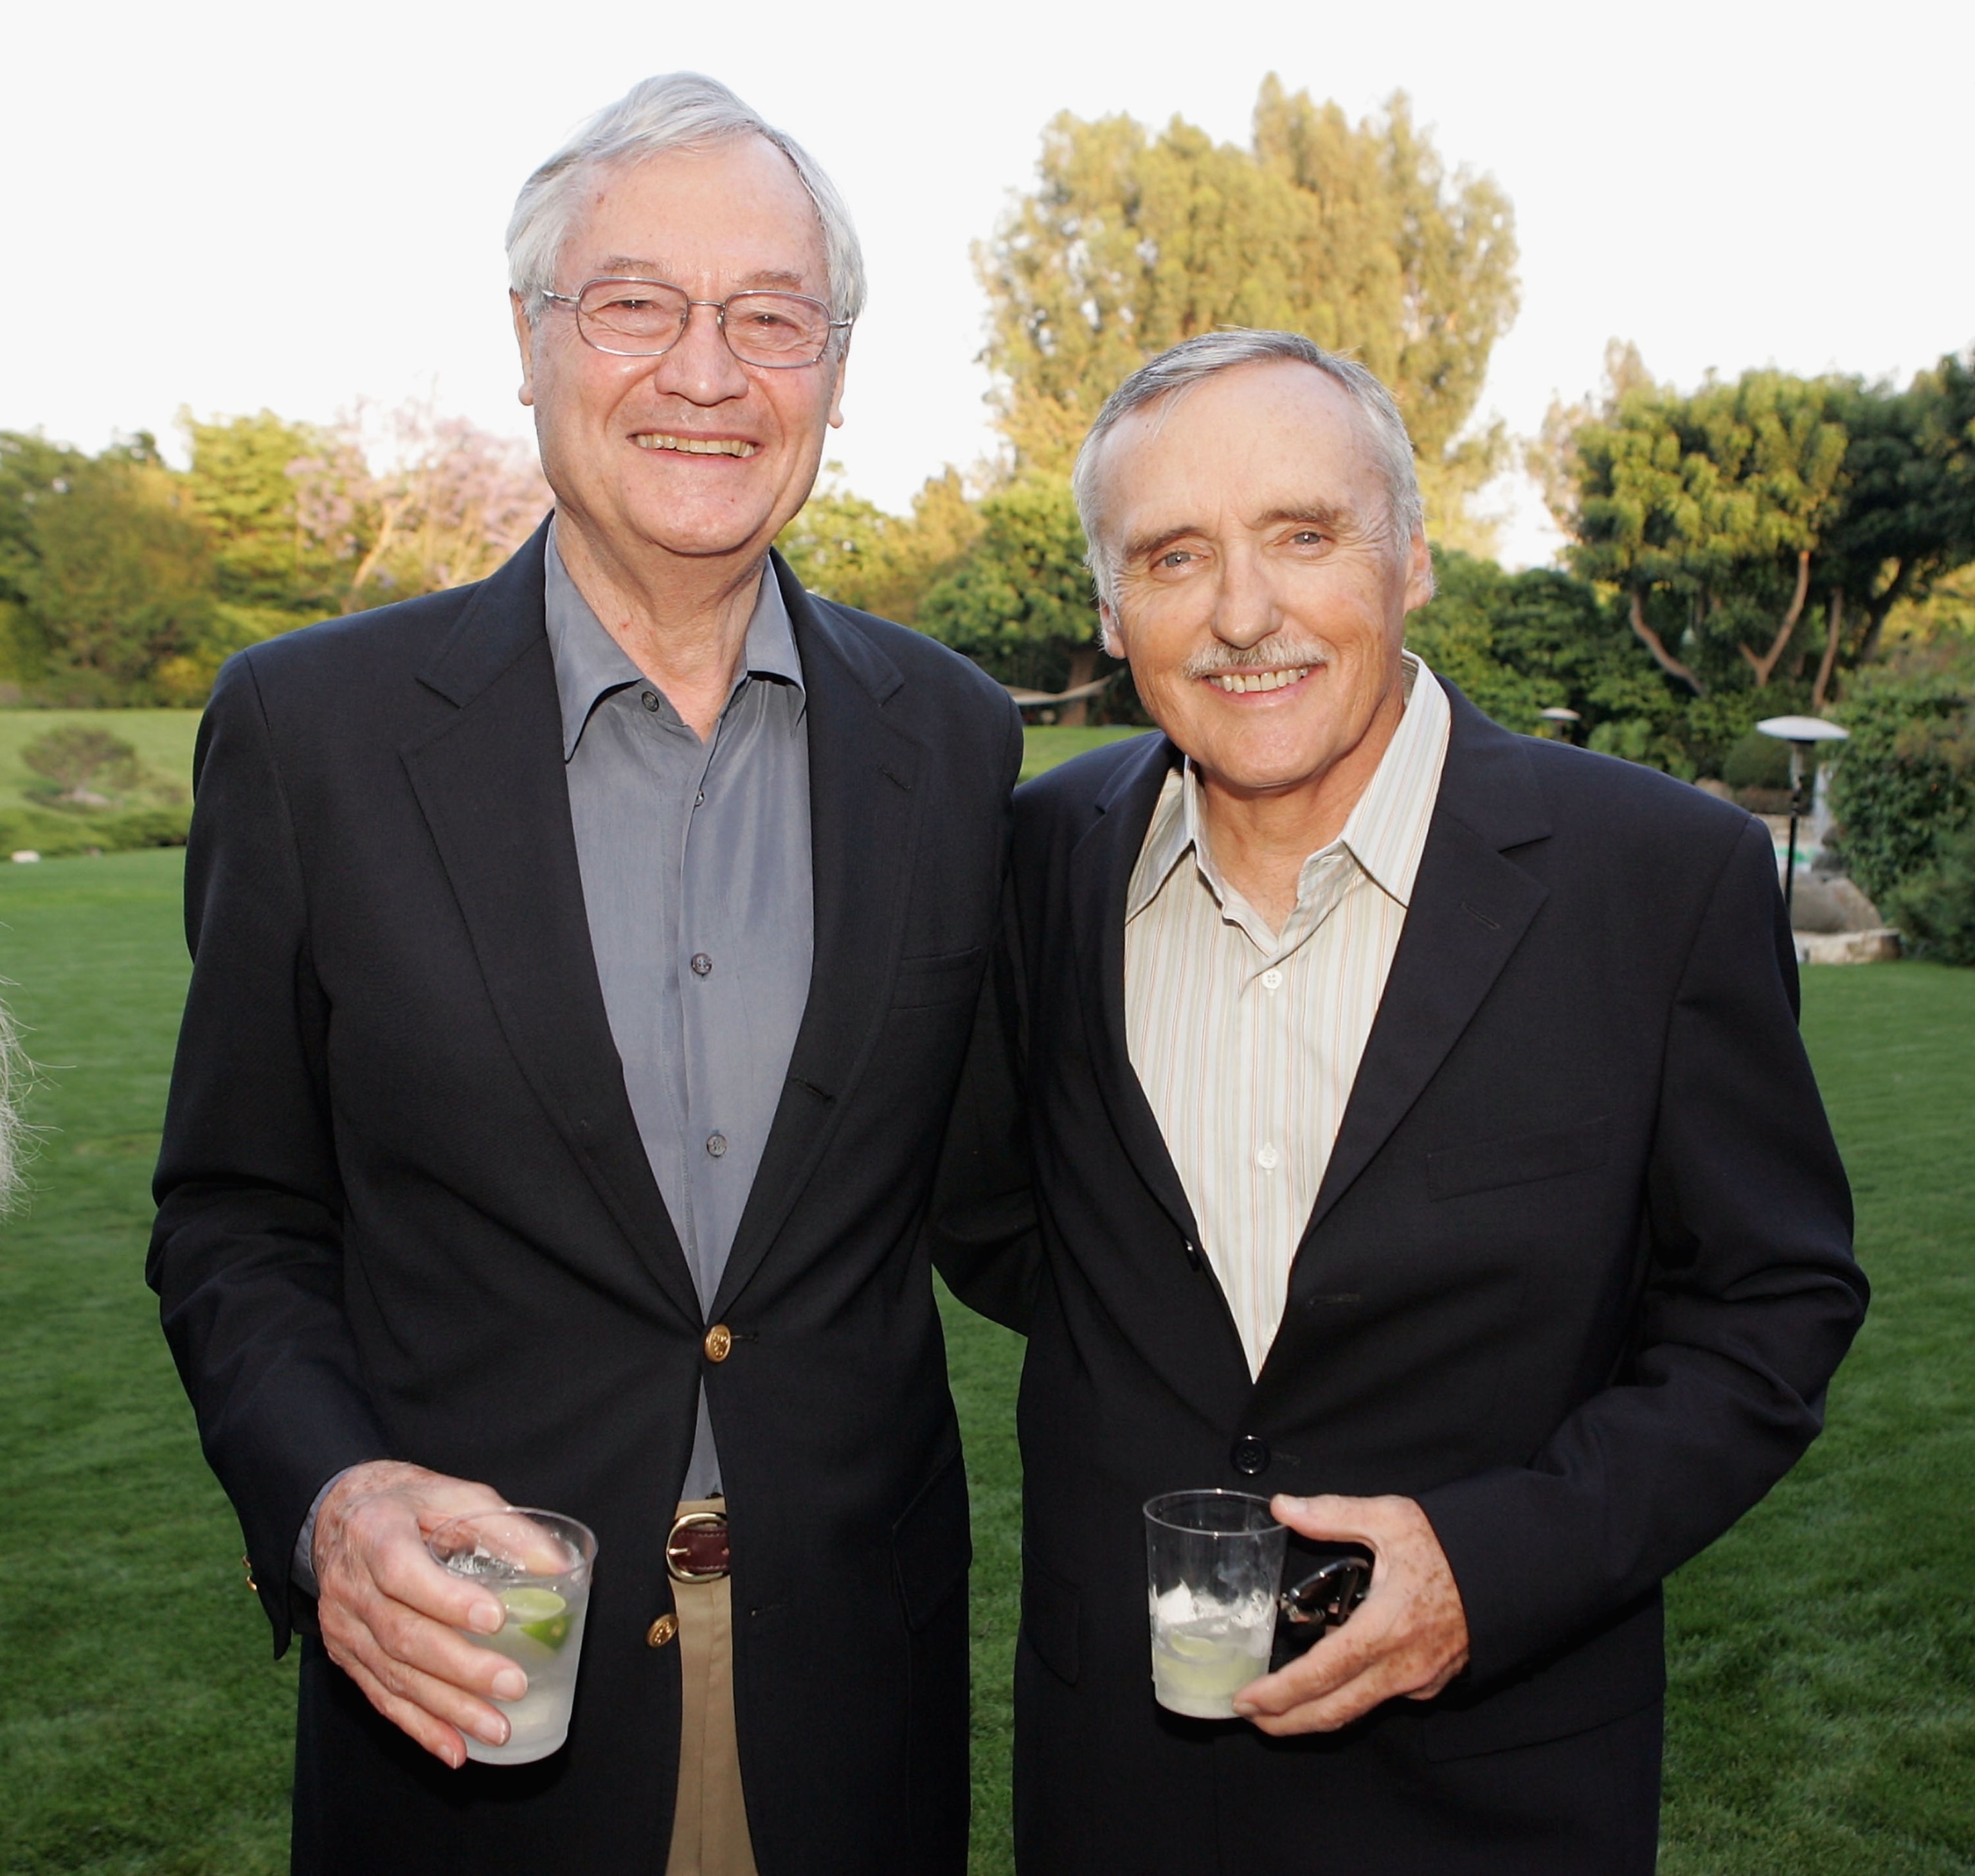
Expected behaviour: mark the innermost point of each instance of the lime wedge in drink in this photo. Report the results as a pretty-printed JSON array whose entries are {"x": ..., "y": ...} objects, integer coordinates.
[{"x": 539, "y": 1614}]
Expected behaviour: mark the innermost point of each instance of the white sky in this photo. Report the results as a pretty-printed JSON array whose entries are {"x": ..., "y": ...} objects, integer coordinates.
[{"x": 234, "y": 206}]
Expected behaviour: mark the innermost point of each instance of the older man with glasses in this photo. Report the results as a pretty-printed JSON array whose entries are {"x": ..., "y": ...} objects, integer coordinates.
[{"x": 583, "y": 966}]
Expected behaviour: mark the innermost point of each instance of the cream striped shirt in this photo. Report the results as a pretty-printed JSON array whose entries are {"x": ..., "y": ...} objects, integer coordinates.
[{"x": 1246, "y": 1040}]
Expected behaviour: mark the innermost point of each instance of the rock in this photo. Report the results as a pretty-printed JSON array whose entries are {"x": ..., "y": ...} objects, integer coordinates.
[
  {"x": 1818, "y": 904},
  {"x": 25, "y": 857},
  {"x": 1879, "y": 947}
]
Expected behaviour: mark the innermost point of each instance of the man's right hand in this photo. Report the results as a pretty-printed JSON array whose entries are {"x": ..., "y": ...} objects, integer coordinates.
[{"x": 389, "y": 1614}]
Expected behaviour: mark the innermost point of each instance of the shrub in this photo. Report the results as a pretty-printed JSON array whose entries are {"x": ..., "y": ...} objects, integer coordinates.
[
  {"x": 1935, "y": 908},
  {"x": 1906, "y": 780}
]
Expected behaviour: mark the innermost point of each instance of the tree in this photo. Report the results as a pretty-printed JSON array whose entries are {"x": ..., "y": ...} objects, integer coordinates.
[
  {"x": 1354, "y": 235},
  {"x": 32, "y": 469},
  {"x": 851, "y": 551},
  {"x": 86, "y": 766},
  {"x": 1021, "y": 603},
  {"x": 410, "y": 501},
  {"x": 1708, "y": 512},
  {"x": 118, "y": 578},
  {"x": 243, "y": 486}
]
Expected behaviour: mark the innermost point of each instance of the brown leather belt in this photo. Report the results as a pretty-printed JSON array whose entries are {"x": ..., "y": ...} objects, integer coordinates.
[{"x": 696, "y": 1550}]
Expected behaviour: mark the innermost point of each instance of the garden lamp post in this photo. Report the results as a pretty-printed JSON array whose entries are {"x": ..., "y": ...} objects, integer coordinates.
[
  {"x": 1562, "y": 718},
  {"x": 1801, "y": 733}
]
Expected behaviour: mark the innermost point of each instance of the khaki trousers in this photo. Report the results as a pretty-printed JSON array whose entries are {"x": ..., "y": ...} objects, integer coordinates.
[{"x": 710, "y": 1824}]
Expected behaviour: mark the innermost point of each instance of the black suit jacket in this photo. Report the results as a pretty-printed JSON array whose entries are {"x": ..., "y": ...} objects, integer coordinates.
[
  {"x": 404, "y": 1211},
  {"x": 1576, "y": 1277}
]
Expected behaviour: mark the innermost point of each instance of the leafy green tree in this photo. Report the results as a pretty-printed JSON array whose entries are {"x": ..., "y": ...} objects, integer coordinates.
[
  {"x": 243, "y": 486},
  {"x": 851, "y": 551},
  {"x": 1904, "y": 785},
  {"x": 118, "y": 579},
  {"x": 1518, "y": 644},
  {"x": 1021, "y": 603},
  {"x": 1707, "y": 512},
  {"x": 84, "y": 766},
  {"x": 32, "y": 470},
  {"x": 1356, "y": 235}
]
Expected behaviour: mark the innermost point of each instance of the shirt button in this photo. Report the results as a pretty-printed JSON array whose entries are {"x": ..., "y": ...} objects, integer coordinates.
[
  {"x": 662, "y": 1631},
  {"x": 719, "y": 1342},
  {"x": 702, "y": 965},
  {"x": 1272, "y": 981},
  {"x": 1268, "y": 1159},
  {"x": 650, "y": 699},
  {"x": 716, "y": 1144},
  {"x": 1251, "y": 1456}
]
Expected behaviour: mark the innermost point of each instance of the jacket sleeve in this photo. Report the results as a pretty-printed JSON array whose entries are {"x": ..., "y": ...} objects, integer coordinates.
[
  {"x": 246, "y": 1253},
  {"x": 1751, "y": 1297}
]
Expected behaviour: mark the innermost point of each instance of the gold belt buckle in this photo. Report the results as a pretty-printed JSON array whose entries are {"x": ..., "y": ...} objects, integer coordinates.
[{"x": 696, "y": 1547}]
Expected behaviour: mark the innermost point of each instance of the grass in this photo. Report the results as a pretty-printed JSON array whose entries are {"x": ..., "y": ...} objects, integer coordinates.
[
  {"x": 1823, "y": 1656},
  {"x": 162, "y": 738}
]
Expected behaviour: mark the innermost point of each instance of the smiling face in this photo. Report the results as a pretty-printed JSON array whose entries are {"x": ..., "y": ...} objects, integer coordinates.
[
  {"x": 1257, "y": 589},
  {"x": 693, "y": 454}
]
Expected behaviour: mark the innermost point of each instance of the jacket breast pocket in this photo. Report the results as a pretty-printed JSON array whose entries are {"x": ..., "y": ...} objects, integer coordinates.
[
  {"x": 930, "y": 1545},
  {"x": 947, "y": 977},
  {"x": 1486, "y": 1165}
]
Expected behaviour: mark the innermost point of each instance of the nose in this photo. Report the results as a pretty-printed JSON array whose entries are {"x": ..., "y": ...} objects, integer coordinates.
[
  {"x": 1245, "y": 607},
  {"x": 700, "y": 368}
]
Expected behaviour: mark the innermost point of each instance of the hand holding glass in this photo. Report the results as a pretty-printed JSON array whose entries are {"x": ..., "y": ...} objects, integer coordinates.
[
  {"x": 1214, "y": 1567},
  {"x": 538, "y": 1564}
]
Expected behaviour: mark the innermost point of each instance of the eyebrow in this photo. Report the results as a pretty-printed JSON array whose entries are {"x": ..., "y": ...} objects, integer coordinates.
[
  {"x": 627, "y": 267},
  {"x": 1329, "y": 516}
]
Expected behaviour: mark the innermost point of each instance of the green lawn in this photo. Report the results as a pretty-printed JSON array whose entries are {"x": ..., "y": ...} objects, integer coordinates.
[
  {"x": 162, "y": 738},
  {"x": 1823, "y": 1715}
]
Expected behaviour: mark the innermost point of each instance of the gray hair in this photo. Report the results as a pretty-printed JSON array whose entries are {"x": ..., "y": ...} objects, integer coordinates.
[
  {"x": 15, "y": 1076},
  {"x": 1205, "y": 355},
  {"x": 680, "y": 110}
]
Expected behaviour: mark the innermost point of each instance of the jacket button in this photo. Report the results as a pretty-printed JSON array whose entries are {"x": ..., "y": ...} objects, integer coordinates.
[
  {"x": 662, "y": 1631},
  {"x": 719, "y": 1345},
  {"x": 1250, "y": 1455}
]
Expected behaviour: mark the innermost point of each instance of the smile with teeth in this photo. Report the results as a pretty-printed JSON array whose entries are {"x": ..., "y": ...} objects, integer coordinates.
[
  {"x": 697, "y": 445},
  {"x": 1235, "y": 682}
]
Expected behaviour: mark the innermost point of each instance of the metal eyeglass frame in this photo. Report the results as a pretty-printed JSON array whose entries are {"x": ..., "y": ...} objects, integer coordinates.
[{"x": 575, "y": 301}]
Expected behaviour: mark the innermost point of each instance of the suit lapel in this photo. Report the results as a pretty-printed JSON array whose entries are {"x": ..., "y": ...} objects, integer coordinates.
[
  {"x": 1101, "y": 869},
  {"x": 491, "y": 783},
  {"x": 1470, "y": 908},
  {"x": 864, "y": 806}
]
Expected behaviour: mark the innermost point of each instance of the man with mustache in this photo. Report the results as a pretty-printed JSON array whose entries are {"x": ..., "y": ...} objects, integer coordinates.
[
  {"x": 1417, "y": 1131},
  {"x": 583, "y": 963}
]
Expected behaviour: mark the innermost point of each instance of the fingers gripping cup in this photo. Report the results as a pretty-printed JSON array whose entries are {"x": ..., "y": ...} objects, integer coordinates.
[
  {"x": 1214, "y": 1566},
  {"x": 538, "y": 1564}
]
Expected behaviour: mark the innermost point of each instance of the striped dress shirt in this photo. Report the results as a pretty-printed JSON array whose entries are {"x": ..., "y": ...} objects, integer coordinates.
[{"x": 1246, "y": 1040}]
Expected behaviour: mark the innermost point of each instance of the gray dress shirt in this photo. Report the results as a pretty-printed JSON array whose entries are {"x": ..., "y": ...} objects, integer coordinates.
[{"x": 695, "y": 861}]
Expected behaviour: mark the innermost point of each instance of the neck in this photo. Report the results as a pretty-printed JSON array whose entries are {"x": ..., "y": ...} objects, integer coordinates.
[
  {"x": 1260, "y": 837},
  {"x": 683, "y": 624}
]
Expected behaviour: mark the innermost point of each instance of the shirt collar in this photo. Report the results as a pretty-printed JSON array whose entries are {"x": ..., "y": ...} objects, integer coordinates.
[
  {"x": 1386, "y": 832},
  {"x": 589, "y": 664}
]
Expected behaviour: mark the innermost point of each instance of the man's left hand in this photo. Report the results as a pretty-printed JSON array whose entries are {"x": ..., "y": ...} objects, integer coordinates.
[{"x": 1408, "y": 1637}]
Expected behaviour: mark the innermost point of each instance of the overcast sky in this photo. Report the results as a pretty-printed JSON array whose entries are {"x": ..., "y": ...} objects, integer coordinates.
[{"x": 232, "y": 207}]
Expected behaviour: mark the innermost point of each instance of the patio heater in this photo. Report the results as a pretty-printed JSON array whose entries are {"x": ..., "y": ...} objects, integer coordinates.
[{"x": 1801, "y": 733}]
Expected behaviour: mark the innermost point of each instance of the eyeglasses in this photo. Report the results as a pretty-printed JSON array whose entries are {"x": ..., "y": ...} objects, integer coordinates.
[{"x": 646, "y": 318}]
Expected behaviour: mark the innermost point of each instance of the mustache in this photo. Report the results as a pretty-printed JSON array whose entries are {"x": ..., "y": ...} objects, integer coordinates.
[{"x": 1270, "y": 654}]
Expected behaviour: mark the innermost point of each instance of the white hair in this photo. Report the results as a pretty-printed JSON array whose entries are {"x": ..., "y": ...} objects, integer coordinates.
[
  {"x": 15, "y": 1074},
  {"x": 1207, "y": 355},
  {"x": 680, "y": 110}
]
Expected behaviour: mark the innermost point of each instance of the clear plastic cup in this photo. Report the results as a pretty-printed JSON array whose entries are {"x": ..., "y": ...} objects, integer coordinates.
[
  {"x": 1214, "y": 1563},
  {"x": 538, "y": 1564}
]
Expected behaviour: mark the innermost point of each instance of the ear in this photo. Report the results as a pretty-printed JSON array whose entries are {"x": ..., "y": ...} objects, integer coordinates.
[
  {"x": 1419, "y": 573},
  {"x": 1107, "y": 617},
  {"x": 837, "y": 395},
  {"x": 524, "y": 337}
]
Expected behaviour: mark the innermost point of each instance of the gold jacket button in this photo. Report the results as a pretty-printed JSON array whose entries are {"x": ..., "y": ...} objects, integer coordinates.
[
  {"x": 719, "y": 1342},
  {"x": 662, "y": 1631}
]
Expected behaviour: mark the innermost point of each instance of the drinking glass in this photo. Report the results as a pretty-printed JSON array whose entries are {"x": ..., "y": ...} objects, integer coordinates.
[{"x": 1214, "y": 1563}]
